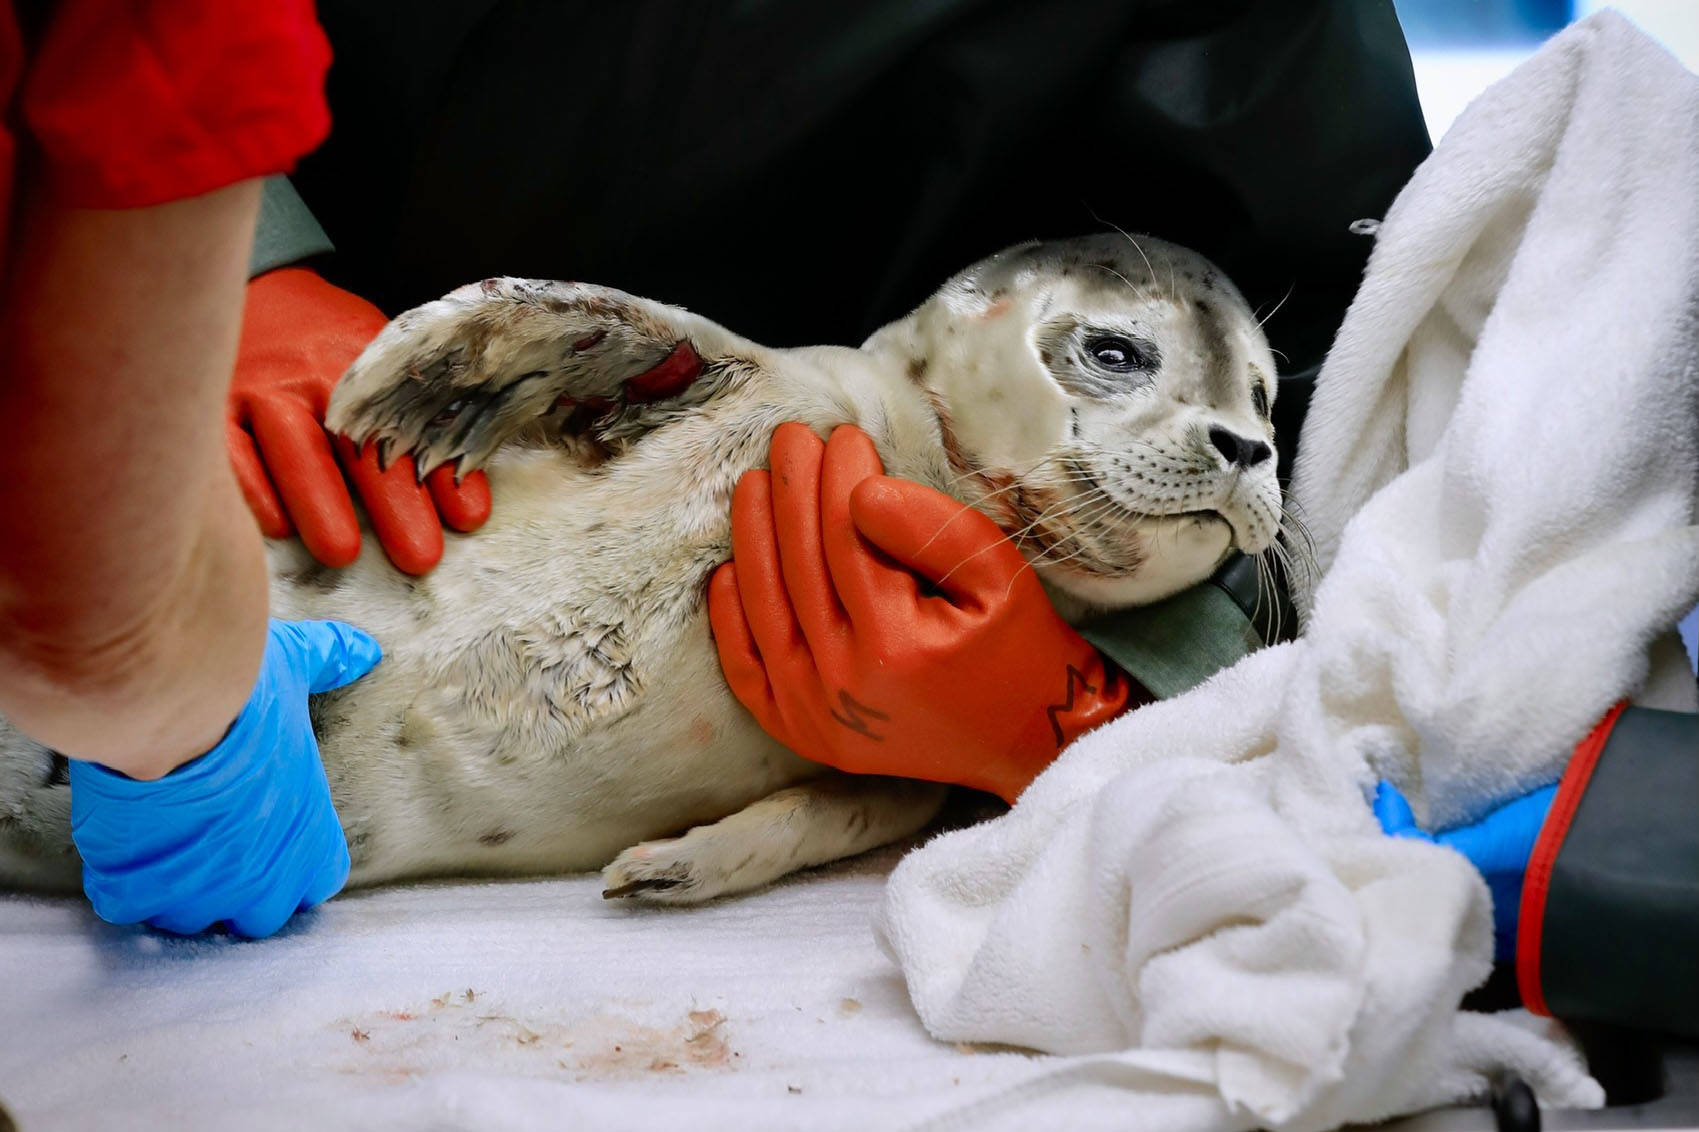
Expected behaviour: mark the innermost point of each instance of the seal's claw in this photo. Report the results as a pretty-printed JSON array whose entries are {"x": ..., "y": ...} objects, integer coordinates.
[{"x": 652, "y": 884}]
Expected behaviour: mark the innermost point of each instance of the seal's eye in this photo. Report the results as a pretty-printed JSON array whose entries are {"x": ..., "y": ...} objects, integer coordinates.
[{"x": 1118, "y": 354}]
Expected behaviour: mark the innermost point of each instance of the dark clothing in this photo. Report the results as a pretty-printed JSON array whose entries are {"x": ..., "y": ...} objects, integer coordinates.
[
  {"x": 1611, "y": 915},
  {"x": 805, "y": 173}
]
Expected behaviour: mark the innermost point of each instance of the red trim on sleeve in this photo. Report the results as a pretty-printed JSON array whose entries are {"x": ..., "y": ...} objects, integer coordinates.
[{"x": 1531, "y": 915}]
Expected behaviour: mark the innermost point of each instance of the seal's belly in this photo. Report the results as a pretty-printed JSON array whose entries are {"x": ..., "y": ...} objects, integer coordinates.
[
  {"x": 447, "y": 799},
  {"x": 550, "y": 694},
  {"x": 459, "y": 759}
]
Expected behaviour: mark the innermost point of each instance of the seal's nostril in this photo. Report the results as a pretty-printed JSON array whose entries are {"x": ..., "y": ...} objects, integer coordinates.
[
  {"x": 1225, "y": 443},
  {"x": 1239, "y": 451}
]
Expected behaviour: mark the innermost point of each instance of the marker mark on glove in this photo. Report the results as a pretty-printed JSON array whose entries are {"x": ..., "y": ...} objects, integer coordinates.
[
  {"x": 853, "y": 713},
  {"x": 1076, "y": 680}
]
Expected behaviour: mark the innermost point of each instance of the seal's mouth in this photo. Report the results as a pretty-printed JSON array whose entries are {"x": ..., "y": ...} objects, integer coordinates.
[{"x": 1144, "y": 515}]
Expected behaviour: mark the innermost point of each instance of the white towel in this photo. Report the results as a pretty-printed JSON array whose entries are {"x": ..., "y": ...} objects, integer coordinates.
[{"x": 1500, "y": 469}]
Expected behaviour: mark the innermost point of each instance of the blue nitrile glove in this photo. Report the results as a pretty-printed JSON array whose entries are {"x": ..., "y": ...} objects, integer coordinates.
[
  {"x": 1498, "y": 845},
  {"x": 245, "y": 833}
]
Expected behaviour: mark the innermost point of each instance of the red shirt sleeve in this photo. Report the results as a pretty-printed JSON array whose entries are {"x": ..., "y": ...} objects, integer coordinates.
[
  {"x": 139, "y": 102},
  {"x": 11, "y": 64}
]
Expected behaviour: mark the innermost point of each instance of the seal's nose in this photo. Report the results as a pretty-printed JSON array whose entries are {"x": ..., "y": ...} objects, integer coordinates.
[{"x": 1240, "y": 451}]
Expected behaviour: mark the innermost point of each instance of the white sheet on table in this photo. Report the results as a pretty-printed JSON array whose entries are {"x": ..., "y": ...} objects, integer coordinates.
[{"x": 581, "y": 1016}]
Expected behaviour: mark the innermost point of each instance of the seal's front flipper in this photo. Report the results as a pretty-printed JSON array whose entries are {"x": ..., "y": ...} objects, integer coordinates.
[{"x": 453, "y": 379}]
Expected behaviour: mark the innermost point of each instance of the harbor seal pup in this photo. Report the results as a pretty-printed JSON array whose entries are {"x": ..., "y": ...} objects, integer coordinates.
[{"x": 550, "y": 699}]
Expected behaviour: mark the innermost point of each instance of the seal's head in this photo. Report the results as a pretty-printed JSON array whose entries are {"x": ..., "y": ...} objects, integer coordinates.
[{"x": 1106, "y": 400}]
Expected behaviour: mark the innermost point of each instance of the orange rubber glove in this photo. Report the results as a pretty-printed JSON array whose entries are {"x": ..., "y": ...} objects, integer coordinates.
[
  {"x": 298, "y": 334},
  {"x": 882, "y": 627}
]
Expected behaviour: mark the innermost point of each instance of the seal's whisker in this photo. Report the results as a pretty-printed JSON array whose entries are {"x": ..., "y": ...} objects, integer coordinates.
[
  {"x": 1042, "y": 560},
  {"x": 1277, "y": 306},
  {"x": 1086, "y": 516},
  {"x": 1263, "y": 586},
  {"x": 1062, "y": 509},
  {"x": 1129, "y": 238},
  {"x": 1015, "y": 536},
  {"x": 991, "y": 494},
  {"x": 1278, "y": 628},
  {"x": 1087, "y": 512},
  {"x": 1037, "y": 560},
  {"x": 1172, "y": 293},
  {"x": 1268, "y": 587},
  {"x": 1292, "y": 512},
  {"x": 1070, "y": 507},
  {"x": 1116, "y": 274},
  {"x": 958, "y": 478},
  {"x": 1302, "y": 568},
  {"x": 947, "y": 574}
]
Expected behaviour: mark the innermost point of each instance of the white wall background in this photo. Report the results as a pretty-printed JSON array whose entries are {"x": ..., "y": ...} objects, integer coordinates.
[{"x": 1448, "y": 77}]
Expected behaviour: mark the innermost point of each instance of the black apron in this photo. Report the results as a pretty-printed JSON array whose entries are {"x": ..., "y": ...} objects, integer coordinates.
[{"x": 805, "y": 171}]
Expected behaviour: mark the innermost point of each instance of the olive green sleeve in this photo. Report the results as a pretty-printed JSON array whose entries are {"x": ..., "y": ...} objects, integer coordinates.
[
  {"x": 1176, "y": 644},
  {"x": 287, "y": 232}
]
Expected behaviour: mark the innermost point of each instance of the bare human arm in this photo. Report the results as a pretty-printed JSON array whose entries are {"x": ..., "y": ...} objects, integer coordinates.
[{"x": 132, "y": 577}]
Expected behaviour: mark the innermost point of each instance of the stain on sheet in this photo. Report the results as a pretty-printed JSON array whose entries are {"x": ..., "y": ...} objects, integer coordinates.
[{"x": 464, "y": 1029}]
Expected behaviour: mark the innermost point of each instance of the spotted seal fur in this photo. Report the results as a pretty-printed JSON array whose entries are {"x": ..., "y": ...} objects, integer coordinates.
[{"x": 550, "y": 699}]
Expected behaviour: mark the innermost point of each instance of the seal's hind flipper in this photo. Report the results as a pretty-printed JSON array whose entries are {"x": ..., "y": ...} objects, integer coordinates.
[{"x": 453, "y": 379}]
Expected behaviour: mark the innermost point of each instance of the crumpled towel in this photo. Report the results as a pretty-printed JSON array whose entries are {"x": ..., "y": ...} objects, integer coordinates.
[{"x": 1500, "y": 466}]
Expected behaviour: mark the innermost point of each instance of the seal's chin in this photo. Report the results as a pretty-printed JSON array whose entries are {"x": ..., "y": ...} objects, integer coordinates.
[
  {"x": 1242, "y": 509},
  {"x": 1169, "y": 553}
]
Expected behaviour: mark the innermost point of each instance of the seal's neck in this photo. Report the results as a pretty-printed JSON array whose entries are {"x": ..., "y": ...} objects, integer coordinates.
[{"x": 997, "y": 412}]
